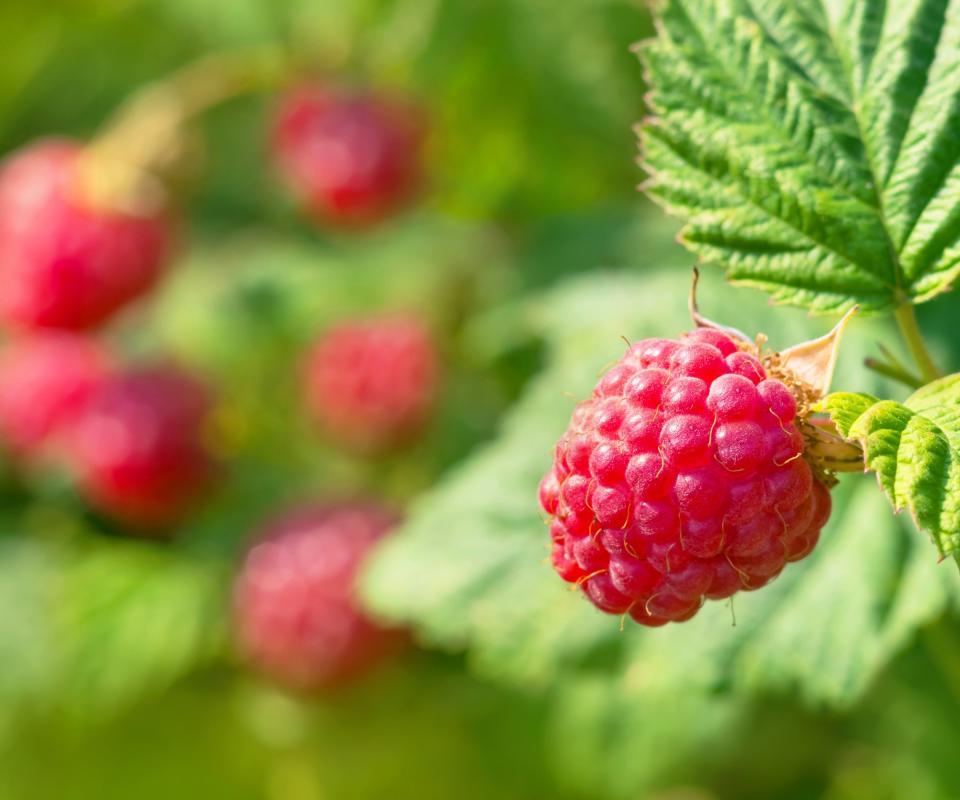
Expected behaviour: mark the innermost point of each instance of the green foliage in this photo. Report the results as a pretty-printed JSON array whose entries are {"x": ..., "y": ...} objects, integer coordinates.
[
  {"x": 558, "y": 140},
  {"x": 423, "y": 729},
  {"x": 131, "y": 619},
  {"x": 811, "y": 147},
  {"x": 469, "y": 570},
  {"x": 26, "y": 636},
  {"x": 914, "y": 447},
  {"x": 89, "y": 629}
]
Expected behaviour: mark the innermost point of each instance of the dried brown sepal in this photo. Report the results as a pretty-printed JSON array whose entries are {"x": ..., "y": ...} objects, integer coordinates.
[
  {"x": 813, "y": 362},
  {"x": 807, "y": 371},
  {"x": 826, "y": 448}
]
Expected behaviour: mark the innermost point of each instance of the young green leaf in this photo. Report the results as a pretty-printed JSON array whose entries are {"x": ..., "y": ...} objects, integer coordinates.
[
  {"x": 811, "y": 146},
  {"x": 914, "y": 447}
]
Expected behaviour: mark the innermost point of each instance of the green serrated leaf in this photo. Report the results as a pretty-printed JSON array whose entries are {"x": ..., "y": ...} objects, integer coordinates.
[
  {"x": 914, "y": 447},
  {"x": 810, "y": 146}
]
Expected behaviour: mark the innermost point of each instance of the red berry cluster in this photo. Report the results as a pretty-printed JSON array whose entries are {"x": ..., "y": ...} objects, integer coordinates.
[
  {"x": 63, "y": 262},
  {"x": 138, "y": 445},
  {"x": 351, "y": 158},
  {"x": 371, "y": 384},
  {"x": 44, "y": 380},
  {"x": 681, "y": 478},
  {"x": 296, "y": 615},
  {"x": 136, "y": 438},
  {"x": 133, "y": 439}
]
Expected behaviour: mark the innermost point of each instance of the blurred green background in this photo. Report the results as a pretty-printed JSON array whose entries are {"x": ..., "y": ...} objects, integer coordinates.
[{"x": 531, "y": 254}]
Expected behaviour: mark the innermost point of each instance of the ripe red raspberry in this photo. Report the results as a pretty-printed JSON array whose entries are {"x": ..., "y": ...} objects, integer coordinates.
[
  {"x": 64, "y": 263},
  {"x": 296, "y": 616},
  {"x": 372, "y": 383},
  {"x": 681, "y": 478},
  {"x": 138, "y": 446},
  {"x": 44, "y": 381},
  {"x": 350, "y": 158}
]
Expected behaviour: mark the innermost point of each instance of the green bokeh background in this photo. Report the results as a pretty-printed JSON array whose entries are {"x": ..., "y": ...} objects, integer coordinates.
[{"x": 116, "y": 674}]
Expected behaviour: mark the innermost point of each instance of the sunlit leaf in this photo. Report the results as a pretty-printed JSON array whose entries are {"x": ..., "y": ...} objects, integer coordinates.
[
  {"x": 811, "y": 147},
  {"x": 914, "y": 447}
]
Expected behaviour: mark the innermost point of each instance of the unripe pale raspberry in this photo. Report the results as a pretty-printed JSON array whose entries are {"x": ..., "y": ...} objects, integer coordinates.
[
  {"x": 64, "y": 263},
  {"x": 350, "y": 158},
  {"x": 681, "y": 479},
  {"x": 296, "y": 615},
  {"x": 139, "y": 447},
  {"x": 45, "y": 381},
  {"x": 371, "y": 384}
]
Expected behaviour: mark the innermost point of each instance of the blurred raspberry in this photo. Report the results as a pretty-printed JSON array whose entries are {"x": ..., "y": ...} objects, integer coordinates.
[
  {"x": 371, "y": 384},
  {"x": 45, "y": 380},
  {"x": 681, "y": 478},
  {"x": 138, "y": 447},
  {"x": 296, "y": 616},
  {"x": 350, "y": 158},
  {"x": 64, "y": 264}
]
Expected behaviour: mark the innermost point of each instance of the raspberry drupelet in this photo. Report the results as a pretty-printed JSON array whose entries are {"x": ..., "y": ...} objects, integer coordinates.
[{"x": 681, "y": 479}]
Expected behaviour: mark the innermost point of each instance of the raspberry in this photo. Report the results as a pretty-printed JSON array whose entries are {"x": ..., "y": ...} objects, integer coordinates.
[
  {"x": 350, "y": 158},
  {"x": 680, "y": 479},
  {"x": 372, "y": 383},
  {"x": 137, "y": 447},
  {"x": 63, "y": 263},
  {"x": 296, "y": 616},
  {"x": 44, "y": 381}
]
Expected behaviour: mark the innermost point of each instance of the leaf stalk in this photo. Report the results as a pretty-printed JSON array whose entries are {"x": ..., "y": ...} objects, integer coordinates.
[{"x": 907, "y": 322}]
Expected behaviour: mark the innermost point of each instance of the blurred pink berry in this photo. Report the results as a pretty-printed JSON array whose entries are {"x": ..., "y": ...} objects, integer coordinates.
[
  {"x": 296, "y": 615},
  {"x": 371, "y": 384},
  {"x": 681, "y": 479},
  {"x": 45, "y": 380},
  {"x": 138, "y": 448},
  {"x": 350, "y": 158},
  {"x": 63, "y": 263}
]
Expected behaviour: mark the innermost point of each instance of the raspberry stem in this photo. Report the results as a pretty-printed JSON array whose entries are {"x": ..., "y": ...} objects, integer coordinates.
[
  {"x": 907, "y": 322},
  {"x": 218, "y": 77},
  {"x": 147, "y": 138}
]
